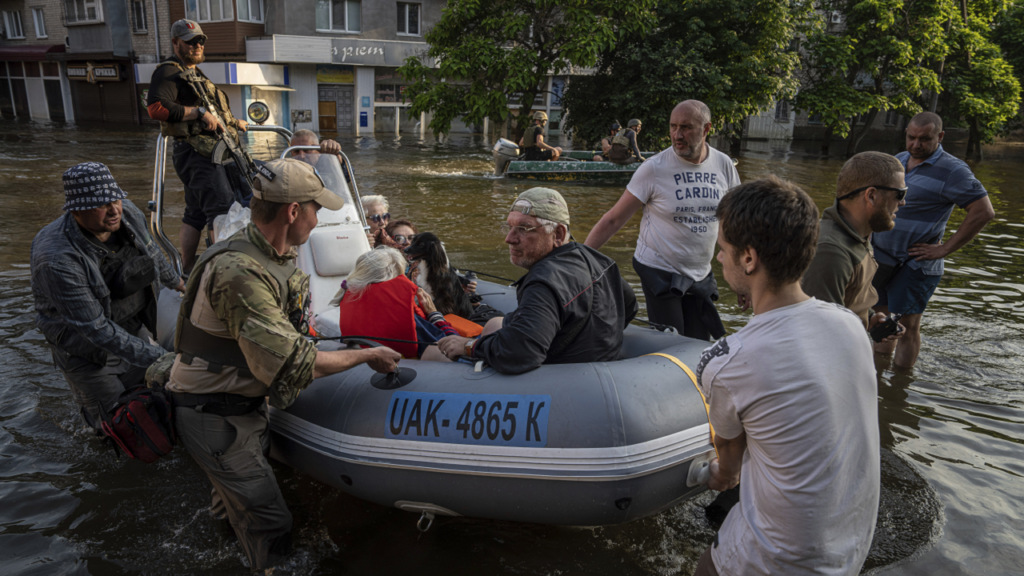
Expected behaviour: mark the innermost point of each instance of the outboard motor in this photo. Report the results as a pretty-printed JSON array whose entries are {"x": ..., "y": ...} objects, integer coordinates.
[{"x": 504, "y": 152}]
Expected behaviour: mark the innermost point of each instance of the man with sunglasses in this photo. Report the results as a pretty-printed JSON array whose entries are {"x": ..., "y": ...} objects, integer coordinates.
[
  {"x": 910, "y": 256},
  {"x": 869, "y": 191},
  {"x": 181, "y": 113}
]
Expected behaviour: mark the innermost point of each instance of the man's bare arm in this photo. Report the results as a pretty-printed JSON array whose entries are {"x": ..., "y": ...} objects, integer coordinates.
[
  {"x": 979, "y": 213},
  {"x": 725, "y": 470},
  {"x": 613, "y": 220},
  {"x": 382, "y": 359}
]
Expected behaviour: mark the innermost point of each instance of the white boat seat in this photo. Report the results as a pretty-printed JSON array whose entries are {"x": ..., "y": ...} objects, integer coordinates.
[{"x": 335, "y": 251}]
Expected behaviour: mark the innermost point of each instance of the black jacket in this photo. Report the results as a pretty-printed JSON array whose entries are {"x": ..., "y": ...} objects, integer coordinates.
[{"x": 574, "y": 289}]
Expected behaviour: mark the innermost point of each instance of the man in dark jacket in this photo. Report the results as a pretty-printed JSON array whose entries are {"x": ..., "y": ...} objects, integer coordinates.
[
  {"x": 572, "y": 303},
  {"x": 93, "y": 274}
]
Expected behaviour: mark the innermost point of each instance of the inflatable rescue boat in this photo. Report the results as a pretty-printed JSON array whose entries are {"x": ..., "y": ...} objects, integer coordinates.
[{"x": 575, "y": 444}]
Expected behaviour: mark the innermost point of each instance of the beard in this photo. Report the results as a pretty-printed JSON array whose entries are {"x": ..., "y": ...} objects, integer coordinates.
[
  {"x": 521, "y": 261},
  {"x": 881, "y": 221},
  {"x": 193, "y": 60},
  {"x": 690, "y": 153}
]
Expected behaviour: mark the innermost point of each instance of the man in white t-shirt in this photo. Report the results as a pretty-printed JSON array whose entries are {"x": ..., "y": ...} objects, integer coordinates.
[
  {"x": 792, "y": 401},
  {"x": 679, "y": 190}
]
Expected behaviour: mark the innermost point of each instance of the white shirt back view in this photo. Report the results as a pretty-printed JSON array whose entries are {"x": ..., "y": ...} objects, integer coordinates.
[
  {"x": 800, "y": 382},
  {"x": 679, "y": 227}
]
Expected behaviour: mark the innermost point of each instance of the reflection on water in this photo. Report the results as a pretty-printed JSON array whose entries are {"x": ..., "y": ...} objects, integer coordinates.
[{"x": 951, "y": 429}]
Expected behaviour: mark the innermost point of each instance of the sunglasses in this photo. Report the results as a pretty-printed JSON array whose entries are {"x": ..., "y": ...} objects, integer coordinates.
[
  {"x": 197, "y": 41},
  {"x": 378, "y": 218},
  {"x": 901, "y": 193},
  {"x": 403, "y": 240}
]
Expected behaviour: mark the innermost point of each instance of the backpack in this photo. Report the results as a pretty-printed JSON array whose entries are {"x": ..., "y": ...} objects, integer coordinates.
[
  {"x": 621, "y": 148},
  {"x": 142, "y": 424}
]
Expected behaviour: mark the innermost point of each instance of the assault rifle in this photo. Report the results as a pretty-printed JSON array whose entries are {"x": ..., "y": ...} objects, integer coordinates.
[{"x": 225, "y": 142}]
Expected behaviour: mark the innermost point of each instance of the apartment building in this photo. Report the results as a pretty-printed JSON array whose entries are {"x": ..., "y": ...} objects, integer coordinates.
[{"x": 32, "y": 84}]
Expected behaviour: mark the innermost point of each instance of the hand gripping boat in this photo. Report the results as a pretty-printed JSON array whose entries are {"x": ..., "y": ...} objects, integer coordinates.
[{"x": 573, "y": 444}]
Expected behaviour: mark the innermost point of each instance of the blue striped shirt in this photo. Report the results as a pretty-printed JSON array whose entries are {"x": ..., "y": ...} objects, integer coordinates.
[{"x": 935, "y": 186}]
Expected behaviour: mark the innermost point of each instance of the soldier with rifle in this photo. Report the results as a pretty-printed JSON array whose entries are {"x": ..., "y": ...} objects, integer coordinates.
[{"x": 198, "y": 116}]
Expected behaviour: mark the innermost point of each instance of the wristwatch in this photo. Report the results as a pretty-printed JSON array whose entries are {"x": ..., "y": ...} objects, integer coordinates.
[
  {"x": 468, "y": 352},
  {"x": 202, "y": 111}
]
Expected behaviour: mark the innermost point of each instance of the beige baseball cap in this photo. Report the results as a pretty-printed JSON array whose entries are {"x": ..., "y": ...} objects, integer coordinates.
[
  {"x": 542, "y": 203},
  {"x": 287, "y": 180}
]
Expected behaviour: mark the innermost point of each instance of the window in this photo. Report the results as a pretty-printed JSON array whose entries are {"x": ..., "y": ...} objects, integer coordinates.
[
  {"x": 408, "y": 19},
  {"x": 815, "y": 118},
  {"x": 250, "y": 10},
  {"x": 209, "y": 10},
  {"x": 782, "y": 111},
  {"x": 892, "y": 118},
  {"x": 12, "y": 25},
  {"x": 138, "y": 16},
  {"x": 338, "y": 16},
  {"x": 78, "y": 11},
  {"x": 37, "y": 19}
]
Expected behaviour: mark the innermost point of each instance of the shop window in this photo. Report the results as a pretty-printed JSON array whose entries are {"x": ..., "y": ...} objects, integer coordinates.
[
  {"x": 40, "y": 23},
  {"x": 139, "y": 17},
  {"x": 32, "y": 70},
  {"x": 12, "y": 25},
  {"x": 338, "y": 16},
  {"x": 209, "y": 10},
  {"x": 51, "y": 69},
  {"x": 79, "y": 11},
  {"x": 408, "y": 19},
  {"x": 15, "y": 69},
  {"x": 250, "y": 10},
  {"x": 390, "y": 93}
]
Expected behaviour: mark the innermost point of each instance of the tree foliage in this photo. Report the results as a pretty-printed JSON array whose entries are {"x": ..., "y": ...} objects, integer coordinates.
[
  {"x": 487, "y": 50},
  {"x": 1008, "y": 34},
  {"x": 881, "y": 56},
  {"x": 733, "y": 55}
]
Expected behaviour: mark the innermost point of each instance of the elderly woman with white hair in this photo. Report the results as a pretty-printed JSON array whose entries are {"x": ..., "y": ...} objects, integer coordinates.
[
  {"x": 375, "y": 207},
  {"x": 378, "y": 301}
]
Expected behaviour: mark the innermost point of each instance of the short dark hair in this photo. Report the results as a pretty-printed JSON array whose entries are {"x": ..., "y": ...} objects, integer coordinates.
[
  {"x": 928, "y": 118},
  {"x": 775, "y": 218},
  {"x": 400, "y": 222},
  {"x": 867, "y": 169},
  {"x": 265, "y": 211}
]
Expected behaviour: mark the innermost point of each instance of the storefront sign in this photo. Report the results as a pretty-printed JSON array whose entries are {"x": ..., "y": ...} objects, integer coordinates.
[
  {"x": 94, "y": 73},
  {"x": 377, "y": 52},
  {"x": 335, "y": 74}
]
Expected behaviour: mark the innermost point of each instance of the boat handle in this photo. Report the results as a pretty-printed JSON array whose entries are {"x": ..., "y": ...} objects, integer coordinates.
[{"x": 429, "y": 517}]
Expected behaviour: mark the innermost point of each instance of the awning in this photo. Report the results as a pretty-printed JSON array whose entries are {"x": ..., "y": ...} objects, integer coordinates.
[
  {"x": 274, "y": 88},
  {"x": 32, "y": 53}
]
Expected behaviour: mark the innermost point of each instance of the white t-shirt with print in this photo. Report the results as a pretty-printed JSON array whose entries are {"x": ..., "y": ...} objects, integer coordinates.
[
  {"x": 679, "y": 227},
  {"x": 800, "y": 382}
]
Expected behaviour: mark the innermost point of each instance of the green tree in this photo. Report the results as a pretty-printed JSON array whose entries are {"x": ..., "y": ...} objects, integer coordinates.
[
  {"x": 736, "y": 56},
  {"x": 1008, "y": 33},
  {"x": 979, "y": 85},
  {"x": 878, "y": 57},
  {"x": 487, "y": 50}
]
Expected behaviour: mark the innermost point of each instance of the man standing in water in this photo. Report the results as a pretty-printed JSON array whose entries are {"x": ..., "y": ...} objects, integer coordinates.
[
  {"x": 92, "y": 281},
  {"x": 238, "y": 342},
  {"x": 679, "y": 190},
  {"x": 911, "y": 254},
  {"x": 183, "y": 116},
  {"x": 793, "y": 405}
]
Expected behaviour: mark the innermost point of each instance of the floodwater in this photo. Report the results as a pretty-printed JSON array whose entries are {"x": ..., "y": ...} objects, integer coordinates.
[{"x": 952, "y": 428}]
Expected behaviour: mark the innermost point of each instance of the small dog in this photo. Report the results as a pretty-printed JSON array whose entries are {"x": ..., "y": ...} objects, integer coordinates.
[{"x": 436, "y": 276}]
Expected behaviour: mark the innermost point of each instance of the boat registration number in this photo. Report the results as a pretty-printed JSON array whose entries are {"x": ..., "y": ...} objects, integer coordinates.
[{"x": 490, "y": 419}]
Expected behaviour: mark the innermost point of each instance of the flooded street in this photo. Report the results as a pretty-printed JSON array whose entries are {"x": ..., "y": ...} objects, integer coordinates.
[{"x": 951, "y": 429}]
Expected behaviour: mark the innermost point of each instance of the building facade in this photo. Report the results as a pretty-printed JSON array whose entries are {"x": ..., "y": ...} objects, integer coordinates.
[{"x": 32, "y": 84}]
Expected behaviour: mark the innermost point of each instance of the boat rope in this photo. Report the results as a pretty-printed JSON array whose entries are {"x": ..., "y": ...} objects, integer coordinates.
[
  {"x": 343, "y": 338},
  {"x": 478, "y": 273},
  {"x": 693, "y": 378}
]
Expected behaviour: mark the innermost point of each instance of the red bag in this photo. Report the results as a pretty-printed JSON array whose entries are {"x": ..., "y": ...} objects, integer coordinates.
[{"x": 142, "y": 425}]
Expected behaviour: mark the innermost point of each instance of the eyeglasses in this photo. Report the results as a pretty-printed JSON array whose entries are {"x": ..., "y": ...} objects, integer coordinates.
[
  {"x": 378, "y": 218},
  {"x": 519, "y": 230},
  {"x": 901, "y": 193},
  {"x": 197, "y": 41},
  {"x": 403, "y": 240}
]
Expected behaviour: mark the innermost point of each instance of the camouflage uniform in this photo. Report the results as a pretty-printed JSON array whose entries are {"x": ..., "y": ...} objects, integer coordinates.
[{"x": 235, "y": 297}]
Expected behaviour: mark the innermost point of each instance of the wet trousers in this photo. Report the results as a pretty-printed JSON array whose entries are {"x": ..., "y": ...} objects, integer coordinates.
[
  {"x": 96, "y": 388},
  {"x": 232, "y": 450}
]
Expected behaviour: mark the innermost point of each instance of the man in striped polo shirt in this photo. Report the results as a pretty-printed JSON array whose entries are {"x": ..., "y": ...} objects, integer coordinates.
[{"x": 910, "y": 255}]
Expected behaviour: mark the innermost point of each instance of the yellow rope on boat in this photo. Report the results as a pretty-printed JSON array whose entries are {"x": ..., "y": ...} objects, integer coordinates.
[{"x": 693, "y": 378}]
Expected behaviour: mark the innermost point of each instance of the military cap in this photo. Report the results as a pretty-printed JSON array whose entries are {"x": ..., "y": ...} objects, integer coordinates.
[{"x": 288, "y": 180}]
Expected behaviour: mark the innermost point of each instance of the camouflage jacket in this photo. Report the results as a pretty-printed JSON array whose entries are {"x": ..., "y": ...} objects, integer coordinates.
[{"x": 247, "y": 300}]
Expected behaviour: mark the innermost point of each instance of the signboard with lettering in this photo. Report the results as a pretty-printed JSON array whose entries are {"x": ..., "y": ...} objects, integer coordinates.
[
  {"x": 377, "y": 52},
  {"x": 335, "y": 74},
  {"x": 94, "y": 73}
]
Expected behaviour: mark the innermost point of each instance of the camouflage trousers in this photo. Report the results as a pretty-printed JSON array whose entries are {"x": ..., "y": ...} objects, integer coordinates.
[{"x": 232, "y": 450}]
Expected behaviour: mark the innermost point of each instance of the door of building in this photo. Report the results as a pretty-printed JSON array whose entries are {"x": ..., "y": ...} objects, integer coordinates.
[
  {"x": 343, "y": 98},
  {"x": 328, "y": 112}
]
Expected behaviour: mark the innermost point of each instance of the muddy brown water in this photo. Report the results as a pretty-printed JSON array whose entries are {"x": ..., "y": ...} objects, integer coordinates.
[{"x": 951, "y": 429}]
